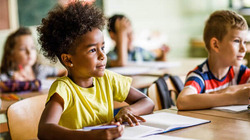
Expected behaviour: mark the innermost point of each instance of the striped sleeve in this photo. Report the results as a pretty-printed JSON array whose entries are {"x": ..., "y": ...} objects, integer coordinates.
[
  {"x": 244, "y": 75},
  {"x": 195, "y": 81}
]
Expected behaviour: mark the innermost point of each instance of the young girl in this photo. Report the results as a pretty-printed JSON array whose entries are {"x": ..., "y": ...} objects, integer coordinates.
[
  {"x": 84, "y": 97},
  {"x": 19, "y": 68}
]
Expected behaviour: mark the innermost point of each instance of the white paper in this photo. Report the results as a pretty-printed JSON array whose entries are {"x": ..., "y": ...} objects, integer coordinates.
[{"x": 232, "y": 108}]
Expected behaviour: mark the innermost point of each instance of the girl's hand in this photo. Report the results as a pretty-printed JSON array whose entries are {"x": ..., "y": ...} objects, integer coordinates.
[
  {"x": 125, "y": 115},
  {"x": 107, "y": 134}
]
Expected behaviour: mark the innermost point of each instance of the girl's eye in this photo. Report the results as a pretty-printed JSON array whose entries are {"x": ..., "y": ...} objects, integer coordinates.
[
  {"x": 245, "y": 42},
  {"x": 21, "y": 49},
  {"x": 103, "y": 48},
  {"x": 236, "y": 41},
  {"x": 92, "y": 50}
]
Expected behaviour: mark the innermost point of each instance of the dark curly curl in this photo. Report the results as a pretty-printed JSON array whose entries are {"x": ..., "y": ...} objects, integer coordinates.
[{"x": 63, "y": 26}]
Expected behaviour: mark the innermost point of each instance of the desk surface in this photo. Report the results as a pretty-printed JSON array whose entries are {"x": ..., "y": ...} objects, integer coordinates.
[
  {"x": 244, "y": 116},
  {"x": 220, "y": 128}
]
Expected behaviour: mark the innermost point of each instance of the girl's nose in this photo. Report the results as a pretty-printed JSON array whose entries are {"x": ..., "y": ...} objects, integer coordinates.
[
  {"x": 102, "y": 55},
  {"x": 27, "y": 51}
]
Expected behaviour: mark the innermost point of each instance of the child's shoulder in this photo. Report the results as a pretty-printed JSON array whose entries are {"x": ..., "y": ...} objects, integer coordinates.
[{"x": 63, "y": 79}]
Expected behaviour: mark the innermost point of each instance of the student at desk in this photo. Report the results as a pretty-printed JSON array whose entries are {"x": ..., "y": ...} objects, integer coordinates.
[
  {"x": 213, "y": 82},
  {"x": 85, "y": 97},
  {"x": 120, "y": 30},
  {"x": 20, "y": 70}
]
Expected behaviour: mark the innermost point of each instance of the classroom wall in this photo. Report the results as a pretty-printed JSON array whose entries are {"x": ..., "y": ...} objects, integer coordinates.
[{"x": 177, "y": 21}]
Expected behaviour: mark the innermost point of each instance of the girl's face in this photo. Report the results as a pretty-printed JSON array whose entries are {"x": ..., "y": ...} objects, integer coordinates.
[
  {"x": 24, "y": 53},
  {"x": 233, "y": 47},
  {"x": 89, "y": 58}
]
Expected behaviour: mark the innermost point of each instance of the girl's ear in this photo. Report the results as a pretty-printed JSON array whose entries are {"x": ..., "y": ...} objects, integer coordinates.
[
  {"x": 214, "y": 45},
  {"x": 66, "y": 59}
]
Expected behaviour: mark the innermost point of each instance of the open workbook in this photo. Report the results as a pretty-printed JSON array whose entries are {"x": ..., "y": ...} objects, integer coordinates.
[{"x": 160, "y": 123}]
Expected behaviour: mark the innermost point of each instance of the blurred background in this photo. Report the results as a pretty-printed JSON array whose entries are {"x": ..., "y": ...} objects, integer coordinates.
[{"x": 178, "y": 23}]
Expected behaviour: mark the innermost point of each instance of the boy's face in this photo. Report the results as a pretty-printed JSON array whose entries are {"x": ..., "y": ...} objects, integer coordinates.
[
  {"x": 24, "y": 52},
  {"x": 89, "y": 59},
  {"x": 233, "y": 47}
]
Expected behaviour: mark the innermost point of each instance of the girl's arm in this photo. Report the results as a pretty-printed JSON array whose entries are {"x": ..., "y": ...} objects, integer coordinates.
[
  {"x": 139, "y": 104},
  {"x": 188, "y": 100},
  {"x": 122, "y": 27},
  {"x": 49, "y": 128}
]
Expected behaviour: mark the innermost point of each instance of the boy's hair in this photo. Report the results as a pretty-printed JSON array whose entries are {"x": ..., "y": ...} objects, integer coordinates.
[
  {"x": 218, "y": 24},
  {"x": 111, "y": 22},
  {"x": 7, "y": 64},
  {"x": 61, "y": 31}
]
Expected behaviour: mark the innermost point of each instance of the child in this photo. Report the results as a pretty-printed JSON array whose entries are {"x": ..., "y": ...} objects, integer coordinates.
[
  {"x": 211, "y": 83},
  {"x": 84, "y": 97},
  {"x": 120, "y": 30},
  {"x": 19, "y": 68}
]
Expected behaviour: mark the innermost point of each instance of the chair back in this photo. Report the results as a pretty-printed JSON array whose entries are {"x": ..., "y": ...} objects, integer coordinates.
[
  {"x": 165, "y": 91},
  {"x": 24, "y": 116}
]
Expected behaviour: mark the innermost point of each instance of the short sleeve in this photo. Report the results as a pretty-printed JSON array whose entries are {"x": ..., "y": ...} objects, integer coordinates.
[
  {"x": 195, "y": 82},
  {"x": 120, "y": 85},
  {"x": 62, "y": 90}
]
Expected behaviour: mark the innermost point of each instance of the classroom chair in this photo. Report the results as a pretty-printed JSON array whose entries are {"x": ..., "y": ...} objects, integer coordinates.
[
  {"x": 24, "y": 116},
  {"x": 165, "y": 90}
]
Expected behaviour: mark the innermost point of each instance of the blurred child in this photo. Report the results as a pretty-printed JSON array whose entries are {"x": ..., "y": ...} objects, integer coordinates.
[
  {"x": 19, "y": 68},
  {"x": 211, "y": 83},
  {"x": 84, "y": 97},
  {"x": 120, "y": 30}
]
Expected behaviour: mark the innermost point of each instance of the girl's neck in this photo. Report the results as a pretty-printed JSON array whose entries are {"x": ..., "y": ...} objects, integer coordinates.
[
  {"x": 25, "y": 73},
  {"x": 82, "y": 82},
  {"x": 217, "y": 68}
]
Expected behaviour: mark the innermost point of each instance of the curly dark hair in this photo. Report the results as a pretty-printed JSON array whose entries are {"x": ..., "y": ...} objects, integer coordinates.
[
  {"x": 61, "y": 30},
  {"x": 111, "y": 22}
]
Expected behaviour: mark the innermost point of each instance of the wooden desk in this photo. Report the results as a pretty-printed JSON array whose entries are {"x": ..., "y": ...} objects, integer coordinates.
[
  {"x": 244, "y": 116},
  {"x": 220, "y": 128},
  {"x": 6, "y": 104},
  {"x": 141, "y": 81}
]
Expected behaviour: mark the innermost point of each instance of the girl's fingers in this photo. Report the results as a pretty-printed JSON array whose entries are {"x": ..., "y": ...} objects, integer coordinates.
[
  {"x": 140, "y": 118},
  {"x": 120, "y": 120},
  {"x": 130, "y": 122},
  {"x": 134, "y": 119},
  {"x": 116, "y": 132}
]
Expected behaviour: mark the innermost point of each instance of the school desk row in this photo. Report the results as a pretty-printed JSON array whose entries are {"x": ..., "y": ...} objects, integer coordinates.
[{"x": 222, "y": 126}]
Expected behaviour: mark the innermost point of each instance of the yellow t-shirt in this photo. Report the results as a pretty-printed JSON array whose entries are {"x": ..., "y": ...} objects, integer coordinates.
[{"x": 90, "y": 106}]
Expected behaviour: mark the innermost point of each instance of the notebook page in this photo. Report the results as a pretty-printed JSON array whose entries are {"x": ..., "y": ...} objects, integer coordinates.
[
  {"x": 139, "y": 131},
  {"x": 168, "y": 121}
]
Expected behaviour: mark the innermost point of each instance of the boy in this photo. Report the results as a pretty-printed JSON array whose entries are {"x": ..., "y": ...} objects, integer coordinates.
[
  {"x": 211, "y": 83},
  {"x": 120, "y": 30}
]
